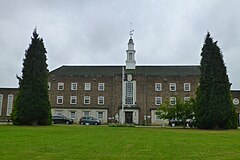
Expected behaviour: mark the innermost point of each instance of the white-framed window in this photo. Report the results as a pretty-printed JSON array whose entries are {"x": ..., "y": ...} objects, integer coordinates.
[
  {"x": 158, "y": 101},
  {"x": 58, "y": 112},
  {"x": 172, "y": 87},
  {"x": 1, "y": 102},
  {"x": 101, "y": 100},
  {"x": 86, "y": 113},
  {"x": 49, "y": 85},
  {"x": 59, "y": 99},
  {"x": 158, "y": 86},
  {"x": 101, "y": 86},
  {"x": 72, "y": 114},
  {"x": 87, "y": 99},
  {"x": 73, "y": 86},
  {"x": 100, "y": 115},
  {"x": 129, "y": 93},
  {"x": 60, "y": 86},
  {"x": 9, "y": 104},
  {"x": 73, "y": 100},
  {"x": 87, "y": 86},
  {"x": 187, "y": 87},
  {"x": 173, "y": 101},
  {"x": 186, "y": 99}
]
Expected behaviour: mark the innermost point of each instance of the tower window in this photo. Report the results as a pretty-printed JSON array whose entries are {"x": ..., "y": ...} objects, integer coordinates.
[{"x": 130, "y": 56}]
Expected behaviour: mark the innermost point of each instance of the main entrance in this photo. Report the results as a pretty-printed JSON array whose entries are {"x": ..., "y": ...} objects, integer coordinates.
[{"x": 128, "y": 117}]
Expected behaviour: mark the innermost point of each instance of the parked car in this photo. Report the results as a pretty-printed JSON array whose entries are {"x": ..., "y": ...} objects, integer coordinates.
[
  {"x": 177, "y": 122},
  {"x": 61, "y": 119},
  {"x": 89, "y": 120}
]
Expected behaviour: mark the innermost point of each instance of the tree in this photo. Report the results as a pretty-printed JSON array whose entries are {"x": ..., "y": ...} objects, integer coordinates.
[
  {"x": 214, "y": 107},
  {"x": 32, "y": 106},
  {"x": 181, "y": 111}
]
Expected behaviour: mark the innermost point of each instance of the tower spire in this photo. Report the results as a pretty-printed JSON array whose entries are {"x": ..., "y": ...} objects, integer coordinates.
[
  {"x": 131, "y": 31},
  {"x": 130, "y": 62}
]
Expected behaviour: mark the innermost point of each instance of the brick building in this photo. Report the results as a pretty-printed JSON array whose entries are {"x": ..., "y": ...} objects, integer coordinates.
[{"x": 128, "y": 94}]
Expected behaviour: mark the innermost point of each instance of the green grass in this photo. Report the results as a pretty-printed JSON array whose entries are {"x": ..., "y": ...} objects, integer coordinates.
[{"x": 60, "y": 142}]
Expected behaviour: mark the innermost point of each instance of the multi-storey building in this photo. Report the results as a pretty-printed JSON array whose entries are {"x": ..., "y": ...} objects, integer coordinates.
[{"x": 124, "y": 93}]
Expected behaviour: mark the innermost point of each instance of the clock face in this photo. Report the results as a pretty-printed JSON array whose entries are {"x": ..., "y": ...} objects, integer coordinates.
[
  {"x": 129, "y": 77},
  {"x": 235, "y": 101}
]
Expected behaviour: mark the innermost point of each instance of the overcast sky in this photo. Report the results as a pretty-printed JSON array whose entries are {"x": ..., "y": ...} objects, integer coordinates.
[{"x": 85, "y": 32}]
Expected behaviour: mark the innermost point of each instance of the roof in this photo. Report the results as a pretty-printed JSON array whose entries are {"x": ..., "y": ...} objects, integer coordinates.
[{"x": 117, "y": 70}]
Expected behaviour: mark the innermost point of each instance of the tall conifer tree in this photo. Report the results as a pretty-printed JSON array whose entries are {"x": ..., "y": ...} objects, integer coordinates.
[
  {"x": 214, "y": 107},
  {"x": 32, "y": 106}
]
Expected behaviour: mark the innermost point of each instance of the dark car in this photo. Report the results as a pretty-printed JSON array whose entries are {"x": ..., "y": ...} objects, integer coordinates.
[
  {"x": 89, "y": 120},
  {"x": 176, "y": 122},
  {"x": 61, "y": 119}
]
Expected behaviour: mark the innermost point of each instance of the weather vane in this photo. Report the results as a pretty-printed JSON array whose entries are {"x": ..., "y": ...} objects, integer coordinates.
[{"x": 131, "y": 31}]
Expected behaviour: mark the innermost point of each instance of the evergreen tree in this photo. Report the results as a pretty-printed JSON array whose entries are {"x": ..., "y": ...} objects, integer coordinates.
[
  {"x": 32, "y": 106},
  {"x": 214, "y": 107}
]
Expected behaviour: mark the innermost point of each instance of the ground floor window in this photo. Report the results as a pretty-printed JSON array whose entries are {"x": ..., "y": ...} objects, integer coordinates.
[
  {"x": 100, "y": 115},
  {"x": 72, "y": 114},
  {"x": 86, "y": 113},
  {"x": 58, "y": 112}
]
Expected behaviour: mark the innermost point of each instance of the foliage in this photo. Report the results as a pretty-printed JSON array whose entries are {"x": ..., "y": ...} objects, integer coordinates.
[
  {"x": 32, "y": 106},
  {"x": 214, "y": 108},
  {"x": 181, "y": 111}
]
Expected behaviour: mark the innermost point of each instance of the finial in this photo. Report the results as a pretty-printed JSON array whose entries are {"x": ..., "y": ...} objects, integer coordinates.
[{"x": 131, "y": 31}]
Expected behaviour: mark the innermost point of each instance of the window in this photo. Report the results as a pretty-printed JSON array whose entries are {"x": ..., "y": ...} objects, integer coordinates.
[
  {"x": 186, "y": 99},
  {"x": 130, "y": 56},
  {"x": 86, "y": 99},
  {"x": 87, "y": 87},
  {"x": 101, "y": 86},
  {"x": 173, "y": 101},
  {"x": 129, "y": 93},
  {"x": 172, "y": 87},
  {"x": 158, "y": 86},
  {"x": 59, "y": 99},
  {"x": 73, "y": 86},
  {"x": 73, "y": 100},
  {"x": 86, "y": 113},
  {"x": 49, "y": 85},
  {"x": 187, "y": 87},
  {"x": 60, "y": 86},
  {"x": 100, "y": 115},
  {"x": 9, "y": 104},
  {"x": 1, "y": 102},
  {"x": 101, "y": 100},
  {"x": 158, "y": 100},
  {"x": 72, "y": 114},
  {"x": 58, "y": 112}
]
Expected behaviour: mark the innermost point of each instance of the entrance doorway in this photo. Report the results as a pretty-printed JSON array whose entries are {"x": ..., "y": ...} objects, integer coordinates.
[{"x": 128, "y": 117}]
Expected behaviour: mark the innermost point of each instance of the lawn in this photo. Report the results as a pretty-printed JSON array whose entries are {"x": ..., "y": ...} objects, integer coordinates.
[{"x": 101, "y": 142}]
